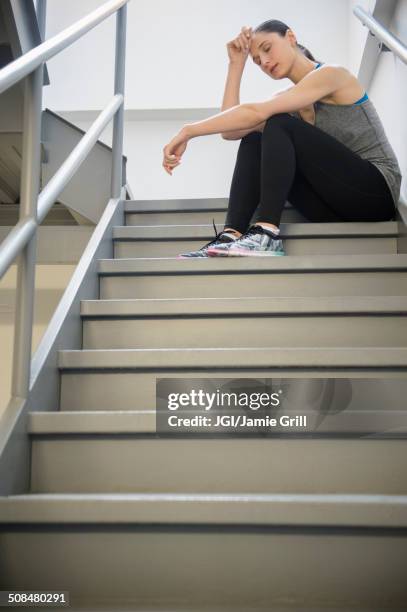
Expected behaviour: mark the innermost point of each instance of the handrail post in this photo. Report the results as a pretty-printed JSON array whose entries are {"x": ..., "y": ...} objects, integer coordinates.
[
  {"x": 119, "y": 79},
  {"x": 41, "y": 9},
  {"x": 30, "y": 185}
]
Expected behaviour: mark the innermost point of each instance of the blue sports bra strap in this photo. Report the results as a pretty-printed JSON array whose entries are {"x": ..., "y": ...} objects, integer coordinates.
[
  {"x": 362, "y": 99},
  {"x": 365, "y": 97}
]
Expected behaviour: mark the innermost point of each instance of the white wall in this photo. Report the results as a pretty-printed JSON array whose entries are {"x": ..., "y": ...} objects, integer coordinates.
[
  {"x": 177, "y": 59},
  {"x": 176, "y": 55},
  {"x": 205, "y": 171}
]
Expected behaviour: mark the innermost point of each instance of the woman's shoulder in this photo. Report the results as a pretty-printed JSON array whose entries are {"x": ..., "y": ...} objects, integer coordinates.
[
  {"x": 335, "y": 69},
  {"x": 349, "y": 89}
]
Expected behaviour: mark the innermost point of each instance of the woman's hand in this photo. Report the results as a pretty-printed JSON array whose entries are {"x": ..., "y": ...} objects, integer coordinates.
[
  {"x": 238, "y": 48},
  {"x": 174, "y": 150}
]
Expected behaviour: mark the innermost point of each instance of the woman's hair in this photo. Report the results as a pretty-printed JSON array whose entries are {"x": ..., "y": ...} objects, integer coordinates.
[{"x": 274, "y": 25}]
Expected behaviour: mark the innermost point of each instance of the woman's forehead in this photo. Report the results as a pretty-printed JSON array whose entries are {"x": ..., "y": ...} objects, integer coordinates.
[{"x": 259, "y": 39}]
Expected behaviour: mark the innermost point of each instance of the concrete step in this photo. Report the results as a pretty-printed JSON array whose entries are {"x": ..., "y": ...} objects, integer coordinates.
[
  {"x": 125, "y": 379},
  {"x": 323, "y": 510},
  {"x": 190, "y": 211},
  {"x": 299, "y": 238},
  {"x": 309, "y": 275},
  {"x": 233, "y": 322},
  {"x": 365, "y": 421},
  {"x": 246, "y": 358},
  {"x": 165, "y": 550},
  {"x": 120, "y": 455}
]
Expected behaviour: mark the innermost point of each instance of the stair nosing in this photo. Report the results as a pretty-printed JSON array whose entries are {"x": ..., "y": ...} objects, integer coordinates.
[
  {"x": 176, "y": 232},
  {"x": 108, "y": 423},
  {"x": 325, "y": 511},
  {"x": 245, "y": 306},
  {"x": 232, "y": 358},
  {"x": 258, "y": 265}
]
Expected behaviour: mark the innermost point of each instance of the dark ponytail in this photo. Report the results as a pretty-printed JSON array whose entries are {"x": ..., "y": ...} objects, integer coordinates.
[
  {"x": 274, "y": 25},
  {"x": 306, "y": 52}
]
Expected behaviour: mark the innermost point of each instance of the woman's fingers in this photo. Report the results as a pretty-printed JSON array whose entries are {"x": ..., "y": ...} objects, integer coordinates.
[
  {"x": 245, "y": 36},
  {"x": 244, "y": 40},
  {"x": 172, "y": 162},
  {"x": 242, "y": 43},
  {"x": 246, "y": 44},
  {"x": 237, "y": 43},
  {"x": 169, "y": 166},
  {"x": 170, "y": 159}
]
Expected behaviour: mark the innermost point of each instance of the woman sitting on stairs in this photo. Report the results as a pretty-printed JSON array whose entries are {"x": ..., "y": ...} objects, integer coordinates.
[{"x": 319, "y": 144}]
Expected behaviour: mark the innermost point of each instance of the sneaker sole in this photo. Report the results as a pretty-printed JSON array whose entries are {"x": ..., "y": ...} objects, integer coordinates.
[
  {"x": 191, "y": 256},
  {"x": 244, "y": 253},
  {"x": 184, "y": 256}
]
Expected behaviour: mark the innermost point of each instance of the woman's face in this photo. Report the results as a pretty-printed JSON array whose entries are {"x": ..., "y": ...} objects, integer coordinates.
[{"x": 274, "y": 53}]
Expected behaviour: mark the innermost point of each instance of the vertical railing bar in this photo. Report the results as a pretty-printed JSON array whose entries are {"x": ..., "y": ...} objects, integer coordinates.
[
  {"x": 119, "y": 80},
  {"x": 41, "y": 10},
  {"x": 26, "y": 260}
]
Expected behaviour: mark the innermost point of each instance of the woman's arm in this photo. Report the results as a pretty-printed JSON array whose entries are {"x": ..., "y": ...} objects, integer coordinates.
[
  {"x": 258, "y": 128},
  {"x": 231, "y": 98},
  {"x": 314, "y": 86},
  {"x": 241, "y": 133}
]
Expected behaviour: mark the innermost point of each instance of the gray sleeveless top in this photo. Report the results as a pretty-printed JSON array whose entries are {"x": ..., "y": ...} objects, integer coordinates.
[{"x": 358, "y": 126}]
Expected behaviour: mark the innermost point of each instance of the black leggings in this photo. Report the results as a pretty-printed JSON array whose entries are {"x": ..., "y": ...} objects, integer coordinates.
[{"x": 321, "y": 177}]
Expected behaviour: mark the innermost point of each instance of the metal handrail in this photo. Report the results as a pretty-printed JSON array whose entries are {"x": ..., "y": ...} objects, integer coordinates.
[
  {"x": 17, "y": 70},
  {"x": 377, "y": 29},
  {"x": 24, "y": 229},
  {"x": 34, "y": 206}
]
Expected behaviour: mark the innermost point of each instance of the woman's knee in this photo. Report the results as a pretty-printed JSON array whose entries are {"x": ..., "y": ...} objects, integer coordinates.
[
  {"x": 280, "y": 120},
  {"x": 253, "y": 138}
]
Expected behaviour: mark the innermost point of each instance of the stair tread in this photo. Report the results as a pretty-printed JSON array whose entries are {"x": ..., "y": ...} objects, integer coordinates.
[
  {"x": 348, "y": 510},
  {"x": 179, "y": 205},
  {"x": 290, "y": 230},
  {"x": 326, "y": 305},
  {"x": 103, "y": 421},
  {"x": 215, "y": 265},
  {"x": 144, "y": 422},
  {"x": 278, "y": 357}
]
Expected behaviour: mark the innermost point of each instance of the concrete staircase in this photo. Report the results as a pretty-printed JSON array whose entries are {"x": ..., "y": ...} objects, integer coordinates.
[{"x": 124, "y": 519}]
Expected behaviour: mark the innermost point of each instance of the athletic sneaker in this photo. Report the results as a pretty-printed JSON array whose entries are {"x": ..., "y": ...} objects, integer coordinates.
[
  {"x": 256, "y": 241},
  {"x": 223, "y": 238}
]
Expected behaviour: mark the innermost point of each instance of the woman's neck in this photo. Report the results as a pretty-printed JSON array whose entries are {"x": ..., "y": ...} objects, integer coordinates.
[{"x": 300, "y": 68}]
